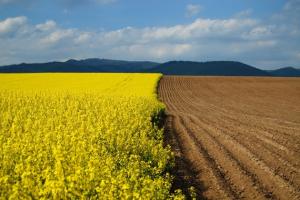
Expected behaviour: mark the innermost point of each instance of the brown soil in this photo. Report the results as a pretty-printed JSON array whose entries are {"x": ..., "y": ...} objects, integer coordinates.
[{"x": 234, "y": 137}]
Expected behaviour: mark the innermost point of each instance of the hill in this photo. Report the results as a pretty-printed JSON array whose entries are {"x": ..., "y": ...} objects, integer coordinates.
[
  {"x": 214, "y": 68},
  {"x": 86, "y": 65},
  {"x": 286, "y": 71}
]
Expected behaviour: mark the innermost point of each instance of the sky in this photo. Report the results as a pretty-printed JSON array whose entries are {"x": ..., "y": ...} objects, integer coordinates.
[{"x": 262, "y": 33}]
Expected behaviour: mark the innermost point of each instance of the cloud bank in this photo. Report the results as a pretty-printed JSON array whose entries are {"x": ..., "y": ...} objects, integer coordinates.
[{"x": 266, "y": 44}]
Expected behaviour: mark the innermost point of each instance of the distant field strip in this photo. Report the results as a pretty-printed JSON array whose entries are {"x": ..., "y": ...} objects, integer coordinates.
[
  {"x": 82, "y": 136},
  {"x": 234, "y": 138}
]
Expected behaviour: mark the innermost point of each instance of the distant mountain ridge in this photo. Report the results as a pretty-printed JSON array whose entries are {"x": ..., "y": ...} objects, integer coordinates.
[
  {"x": 86, "y": 65},
  {"x": 286, "y": 71},
  {"x": 212, "y": 68}
]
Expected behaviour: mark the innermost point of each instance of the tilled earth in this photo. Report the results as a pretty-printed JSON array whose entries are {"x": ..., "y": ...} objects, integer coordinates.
[{"x": 234, "y": 137}]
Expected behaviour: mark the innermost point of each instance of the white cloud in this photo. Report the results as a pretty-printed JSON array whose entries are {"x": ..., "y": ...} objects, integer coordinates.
[
  {"x": 57, "y": 36},
  {"x": 289, "y": 15},
  {"x": 244, "y": 13},
  {"x": 298, "y": 56},
  {"x": 48, "y": 25},
  {"x": 266, "y": 43},
  {"x": 10, "y": 25},
  {"x": 291, "y": 5},
  {"x": 259, "y": 32},
  {"x": 200, "y": 28},
  {"x": 83, "y": 37},
  {"x": 159, "y": 51},
  {"x": 193, "y": 9}
]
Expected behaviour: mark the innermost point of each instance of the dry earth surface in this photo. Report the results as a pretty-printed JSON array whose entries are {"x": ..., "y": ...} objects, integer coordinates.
[{"x": 234, "y": 137}]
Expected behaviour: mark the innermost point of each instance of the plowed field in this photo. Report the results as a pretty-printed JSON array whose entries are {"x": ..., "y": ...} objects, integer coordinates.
[{"x": 234, "y": 138}]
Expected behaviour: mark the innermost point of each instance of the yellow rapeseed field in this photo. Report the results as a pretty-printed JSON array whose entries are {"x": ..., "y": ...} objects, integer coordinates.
[{"x": 82, "y": 136}]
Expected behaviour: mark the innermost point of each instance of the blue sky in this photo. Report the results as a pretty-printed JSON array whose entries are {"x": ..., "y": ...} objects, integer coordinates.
[
  {"x": 264, "y": 33},
  {"x": 112, "y": 14}
]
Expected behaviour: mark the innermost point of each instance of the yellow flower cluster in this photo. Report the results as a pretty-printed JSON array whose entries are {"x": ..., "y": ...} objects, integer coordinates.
[{"x": 82, "y": 136}]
